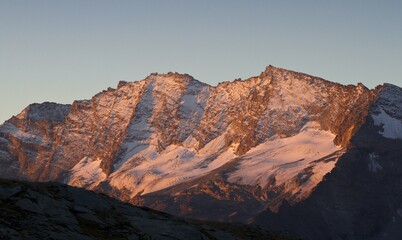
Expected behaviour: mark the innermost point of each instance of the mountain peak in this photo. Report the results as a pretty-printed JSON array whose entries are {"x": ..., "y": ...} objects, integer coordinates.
[
  {"x": 170, "y": 75},
  {"x": 158, "y": 78},
  {"x": 45, "y": 111},
  {"x": 273, "y": 69},
  {"x": 361, "y": 86},
  {"x": 390, "y": 86},
  {"x": 260, "y": 141},
  {"x": 270, "y": 70},
  {"x": 391, "y": 91},
  {"x": 285, "y": 74}
]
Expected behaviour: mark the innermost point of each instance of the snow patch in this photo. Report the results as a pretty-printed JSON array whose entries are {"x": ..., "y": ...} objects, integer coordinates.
[
  {"x": 280, "y": 160},
  {"x": 22, "y": 136},
  {"x": 146, "y": 170},
  {"x": 149, "y": 171},
  {"x": 392, "y": 127},
  {"x": 87, "y": 173}
]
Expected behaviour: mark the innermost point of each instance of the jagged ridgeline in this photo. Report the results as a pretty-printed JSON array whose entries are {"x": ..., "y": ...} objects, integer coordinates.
[{"x": 229, "y": 152}]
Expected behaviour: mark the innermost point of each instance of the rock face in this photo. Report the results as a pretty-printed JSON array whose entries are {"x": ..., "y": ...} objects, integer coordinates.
[
  {"x": 362, "y": 197},
  {"x": 54, "y": 211},
  {"x": 170, "y": 142}
]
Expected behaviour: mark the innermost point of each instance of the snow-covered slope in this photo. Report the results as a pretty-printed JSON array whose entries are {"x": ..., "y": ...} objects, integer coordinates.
[
  {"x": 269, "y": 138},
  {"x": 87, "y": 173},
  {"x": 278, "y": 162},
  {"x": 387, "y": 112},
  {"x": 392, "y": 127},
  {"x": 361, "y": 197}
]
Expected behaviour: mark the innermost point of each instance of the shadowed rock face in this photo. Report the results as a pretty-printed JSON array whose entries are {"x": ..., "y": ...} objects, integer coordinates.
[
  {"x": 54, "y": 211},
  {"x": 362, "y": 197},
  {"x": 227, "y": 152}
]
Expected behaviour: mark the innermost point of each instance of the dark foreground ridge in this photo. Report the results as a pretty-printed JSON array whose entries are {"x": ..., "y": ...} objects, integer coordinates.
[{"x": 55, "y": 211}]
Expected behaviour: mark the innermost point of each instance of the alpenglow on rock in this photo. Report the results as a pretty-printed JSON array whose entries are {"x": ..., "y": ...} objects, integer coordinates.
[{"x": 179, "y": 145}]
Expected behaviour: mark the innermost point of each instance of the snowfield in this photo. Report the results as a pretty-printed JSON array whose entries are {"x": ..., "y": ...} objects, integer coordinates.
[{"x": 282, "y": 159}]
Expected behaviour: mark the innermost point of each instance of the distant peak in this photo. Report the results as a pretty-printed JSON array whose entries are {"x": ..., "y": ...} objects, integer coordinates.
[
  {"x": 389, "y": 85},
  {"x": 122, "y": 83},
  {"x": 390, "y": 91},
  {"x": 282, "y": 74},
  {"x": 270, "y": 69},
  {"x": 361, "y": 86},
  {"x": 163, "y": 77},
  {"x": 173, "y": 78},
  {"x": 171, "y": 75},
  {"x": 45, "y": 111}
]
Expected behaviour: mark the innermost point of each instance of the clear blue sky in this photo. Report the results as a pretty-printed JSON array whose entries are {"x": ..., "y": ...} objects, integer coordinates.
[{"x": 65, "y": 50}]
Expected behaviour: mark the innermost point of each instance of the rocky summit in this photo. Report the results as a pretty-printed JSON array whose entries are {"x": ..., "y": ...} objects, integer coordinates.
[{"x": 276, "y": 149}]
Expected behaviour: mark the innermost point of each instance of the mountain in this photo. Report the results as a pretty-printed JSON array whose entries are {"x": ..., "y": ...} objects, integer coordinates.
[
  {"x": 55, "y": 211},
  {"x": 362, "y": 196},
  {"x": 254, "y": 150}
]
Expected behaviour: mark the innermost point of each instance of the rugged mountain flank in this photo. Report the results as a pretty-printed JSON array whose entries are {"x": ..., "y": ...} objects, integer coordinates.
[
  {"x": 170, "y": 142},
  {"x": 362, "y": 197}
]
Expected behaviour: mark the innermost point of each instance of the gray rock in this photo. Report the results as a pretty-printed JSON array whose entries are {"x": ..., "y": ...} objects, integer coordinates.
[
  {"x": 39, "y": 212},
  {"x": 6, "y": 193},
  {"x": 28, "y": 205}
]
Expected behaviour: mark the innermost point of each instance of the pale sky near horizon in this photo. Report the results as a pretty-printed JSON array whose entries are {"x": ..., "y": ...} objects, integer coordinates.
[{"x": 59, "y": 51}]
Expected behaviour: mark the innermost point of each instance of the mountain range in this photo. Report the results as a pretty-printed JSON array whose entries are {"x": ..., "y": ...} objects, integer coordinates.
[{"x": 284, "y": 150}]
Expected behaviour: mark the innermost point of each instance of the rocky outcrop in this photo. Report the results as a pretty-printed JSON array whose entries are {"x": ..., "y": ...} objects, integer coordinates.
[
  {"x": 27, "y": 140},
  {"x": 54, "y": 211}
]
